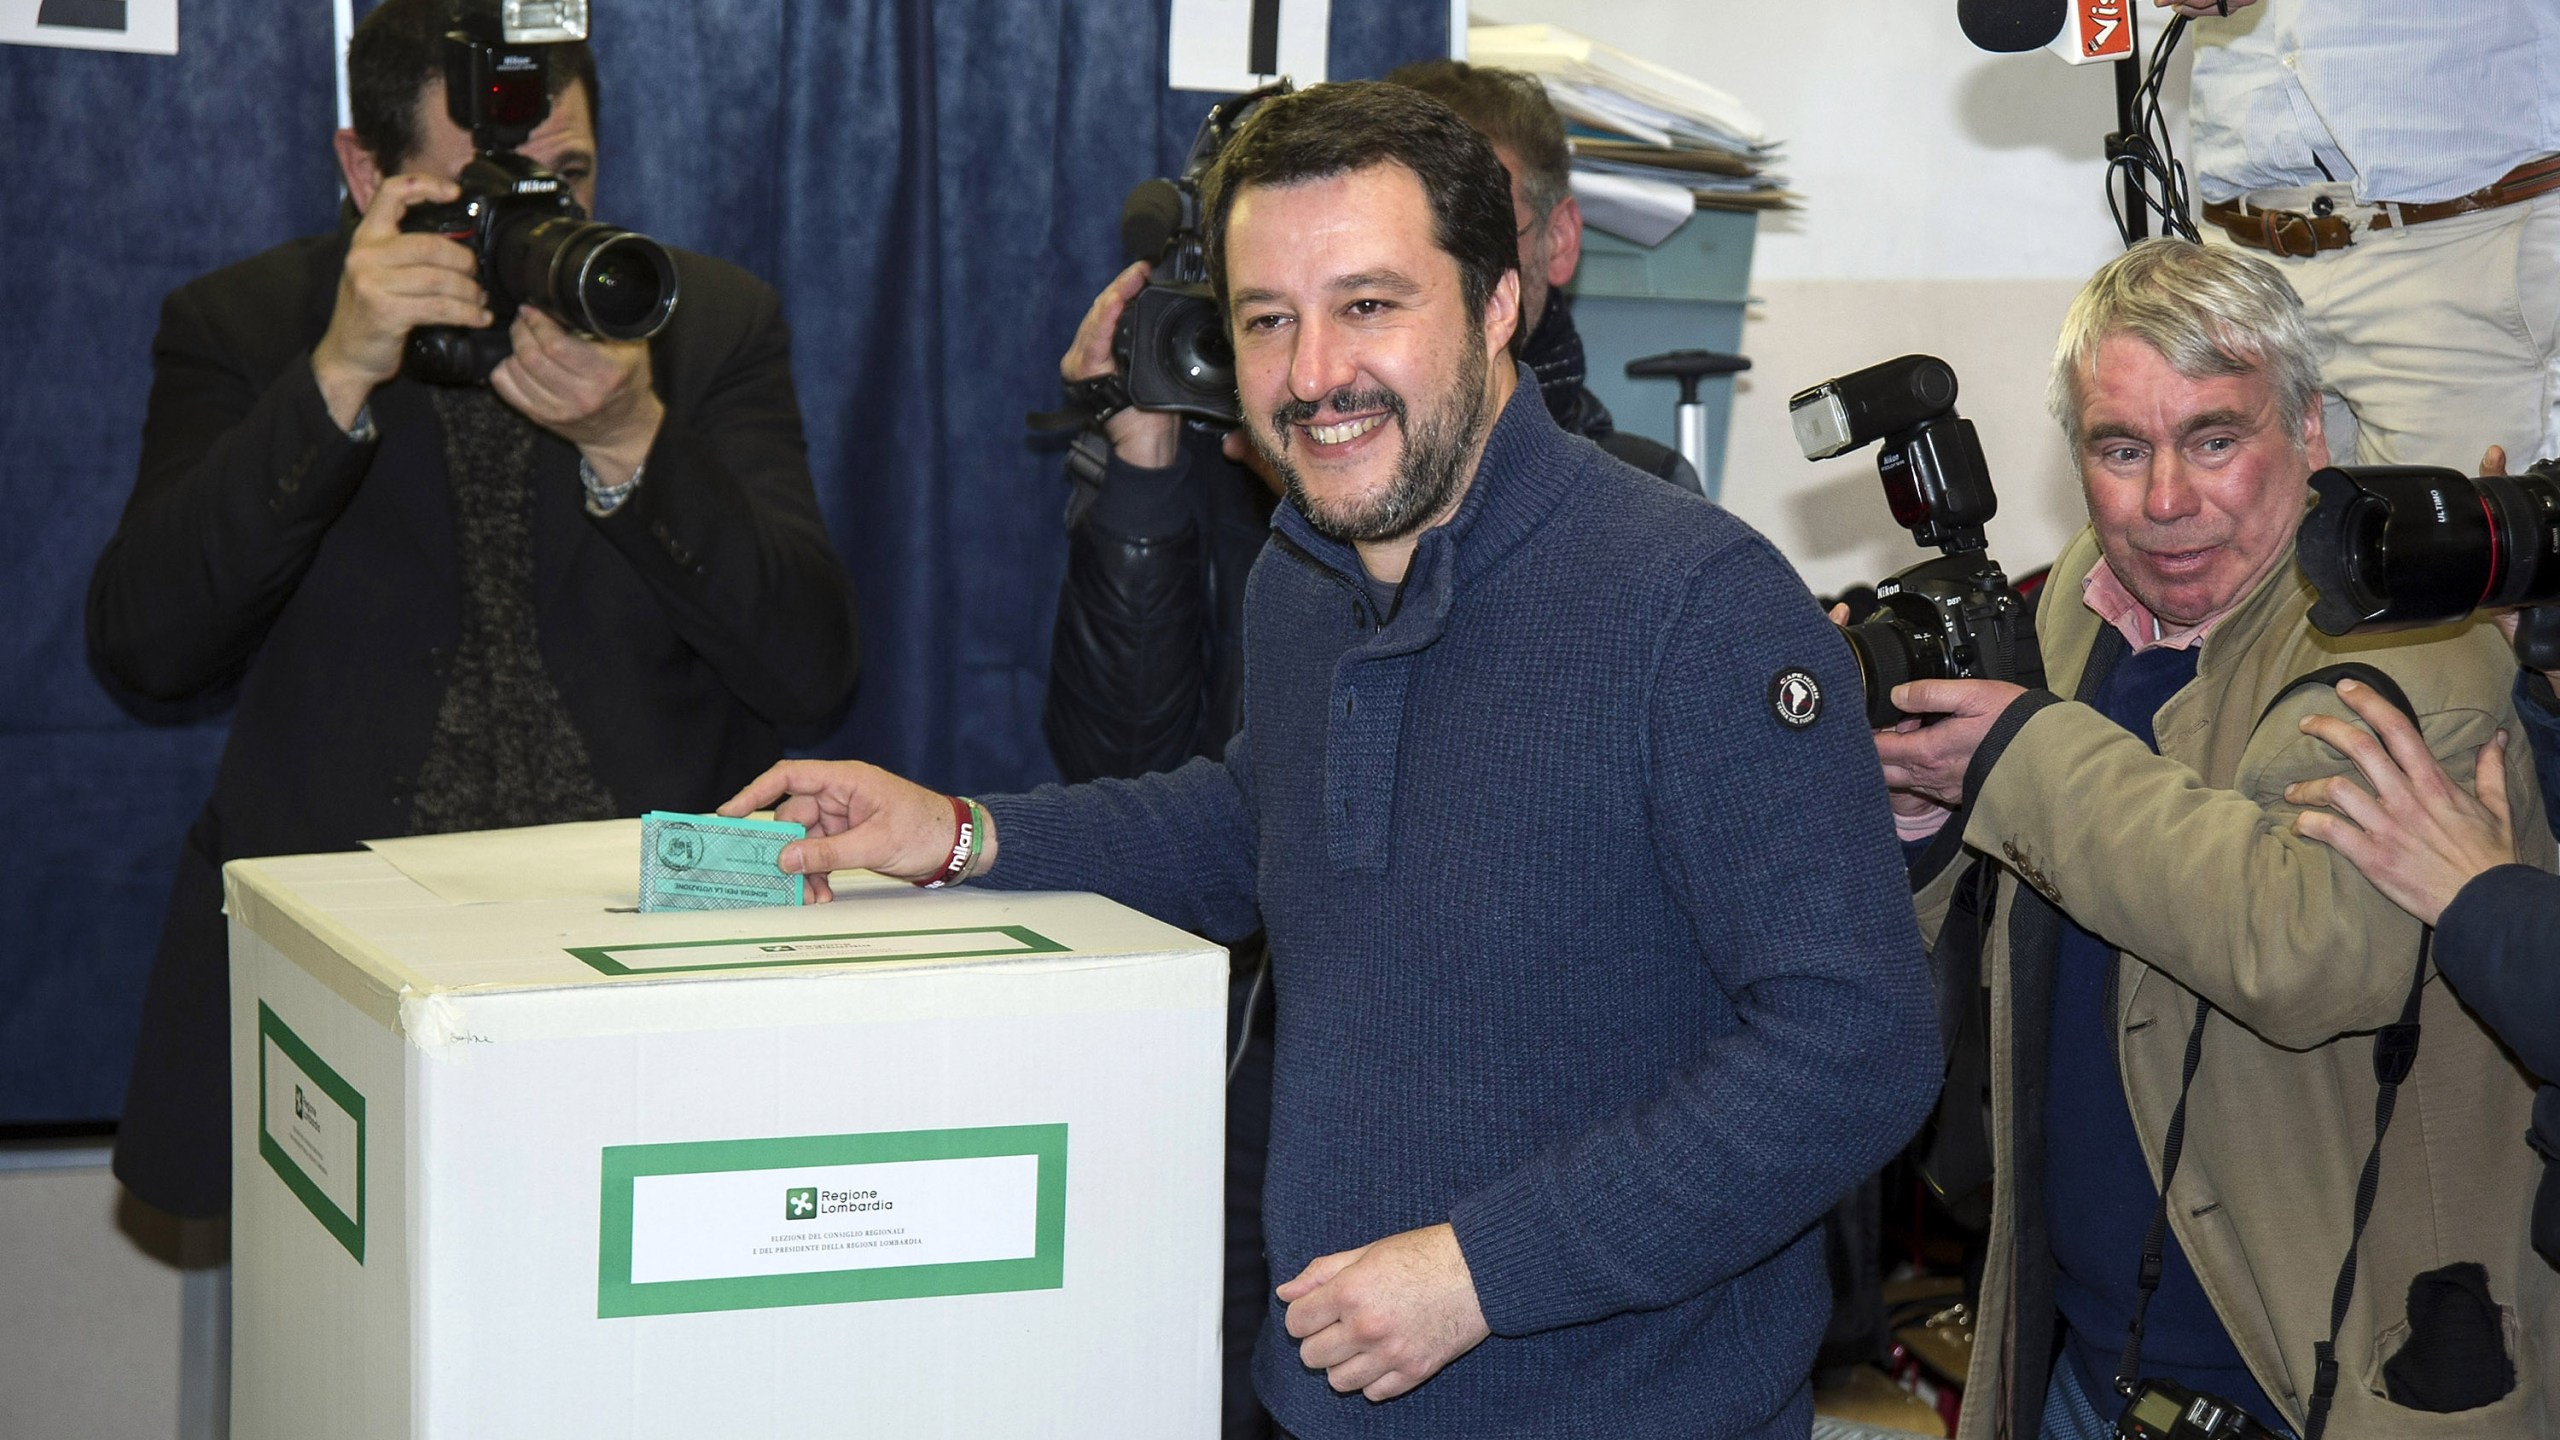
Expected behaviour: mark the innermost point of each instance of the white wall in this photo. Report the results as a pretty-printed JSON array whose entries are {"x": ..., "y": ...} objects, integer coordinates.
[{"x": 1953, "y": 204}]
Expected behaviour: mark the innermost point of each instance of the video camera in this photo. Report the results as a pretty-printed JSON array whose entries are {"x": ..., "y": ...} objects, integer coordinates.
[
  {"x": 1172, "y": 348},
  {"x": 534, "y": 242},
  {"x": 1953, "y": 618},
  {"x": 2393, "y": 547}
]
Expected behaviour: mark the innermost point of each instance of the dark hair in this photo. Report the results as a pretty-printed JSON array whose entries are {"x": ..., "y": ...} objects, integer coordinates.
[
  {"x": 1509, "y": 108},
  {"x": 399, "y": 48},
  {"x": 1330, "y": 130}
]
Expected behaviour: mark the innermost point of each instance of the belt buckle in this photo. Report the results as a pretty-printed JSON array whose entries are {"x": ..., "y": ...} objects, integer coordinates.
[{"x": 2279, "y": 226}]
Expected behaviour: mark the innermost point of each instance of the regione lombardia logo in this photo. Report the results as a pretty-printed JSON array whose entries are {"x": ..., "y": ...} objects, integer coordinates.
[{"x": 800, "y": 1203}]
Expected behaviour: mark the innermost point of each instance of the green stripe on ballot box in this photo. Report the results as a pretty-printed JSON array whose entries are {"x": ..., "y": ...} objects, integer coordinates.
[
  {"x": 675, "y": 957},
  {"x": 831, "y": 1219},
  {"x": 311, "y": 1131}
]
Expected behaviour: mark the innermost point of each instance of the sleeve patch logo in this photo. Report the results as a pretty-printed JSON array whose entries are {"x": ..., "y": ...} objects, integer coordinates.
[{"x": 1795, "y": 698}]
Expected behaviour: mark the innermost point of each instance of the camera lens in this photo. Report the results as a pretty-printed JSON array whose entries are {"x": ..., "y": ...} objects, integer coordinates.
[
  {"x": 613, "y": 283},
  {"x": 1890, "y": 652},
  {"x": 2394, "y": 546},
  {"x": 2525, "y": 510},
  {"x": 626, "y": 286},
  {"x": 1198, "y": 354},
  {"x": 600, "y": 280}
]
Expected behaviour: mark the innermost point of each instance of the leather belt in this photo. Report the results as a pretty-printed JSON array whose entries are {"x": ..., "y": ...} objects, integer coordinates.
[{"x": 2298, "y": 233}]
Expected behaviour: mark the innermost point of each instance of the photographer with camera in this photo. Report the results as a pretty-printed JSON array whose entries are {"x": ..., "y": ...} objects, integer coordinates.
[
  {"x": 2199, "y": 1203},
  {"x": 594, "y": 585}
]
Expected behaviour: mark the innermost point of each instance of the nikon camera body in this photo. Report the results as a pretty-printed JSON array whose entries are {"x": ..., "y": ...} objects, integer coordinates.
[
  {"x": 533, "y": 241},
  {"x": 1953, "y": 618}
]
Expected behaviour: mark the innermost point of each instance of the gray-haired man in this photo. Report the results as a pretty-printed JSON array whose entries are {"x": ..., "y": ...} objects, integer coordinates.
[{"x": 2162, "y": 943}]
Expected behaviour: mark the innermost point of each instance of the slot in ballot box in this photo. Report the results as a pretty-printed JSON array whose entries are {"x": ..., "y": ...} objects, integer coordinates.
[{"x": 510, "y": 1161}]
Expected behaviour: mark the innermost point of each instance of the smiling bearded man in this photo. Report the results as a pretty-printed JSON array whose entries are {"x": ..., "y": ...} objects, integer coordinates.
[
  {"x": 1428, "y": 471},
  {"x": 1435, "y": 456},
  {"x": 1597, "y": 982}
]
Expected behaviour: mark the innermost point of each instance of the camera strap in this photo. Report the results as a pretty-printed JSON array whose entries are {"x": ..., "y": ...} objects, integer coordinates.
[
  {"x": 2395, "y": 1054},
  {"x": 1088, "y": 403},
  {"x": 2155, "y": 1238}
]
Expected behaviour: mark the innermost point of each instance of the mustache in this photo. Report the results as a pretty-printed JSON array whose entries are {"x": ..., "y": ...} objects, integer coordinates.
[{"x": 1340, "y": 402}]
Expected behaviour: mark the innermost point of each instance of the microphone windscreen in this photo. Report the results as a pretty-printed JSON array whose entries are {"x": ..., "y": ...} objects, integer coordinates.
[
  {"x": 2009, "y": 26},
  {"x": 1150, "y": 216}
]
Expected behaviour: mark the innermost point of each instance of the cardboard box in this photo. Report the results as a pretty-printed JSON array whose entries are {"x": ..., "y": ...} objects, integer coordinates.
[{"x": 909, "y": 1164}]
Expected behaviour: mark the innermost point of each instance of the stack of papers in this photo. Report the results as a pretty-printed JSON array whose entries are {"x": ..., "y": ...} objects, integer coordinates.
[{"x": 1649, "y": 144}]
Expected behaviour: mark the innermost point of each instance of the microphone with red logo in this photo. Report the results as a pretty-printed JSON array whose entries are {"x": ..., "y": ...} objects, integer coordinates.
[
  {"x": 2140, "y": 158},
  {"x": 2083, "y": 32}
]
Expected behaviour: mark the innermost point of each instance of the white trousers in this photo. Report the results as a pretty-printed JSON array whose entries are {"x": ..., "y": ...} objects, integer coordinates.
[{"x": 2439, "y": 340}]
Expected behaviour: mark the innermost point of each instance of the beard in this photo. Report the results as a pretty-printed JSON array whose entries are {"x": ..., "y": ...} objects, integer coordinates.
[{"x": 1429, "y": 468}]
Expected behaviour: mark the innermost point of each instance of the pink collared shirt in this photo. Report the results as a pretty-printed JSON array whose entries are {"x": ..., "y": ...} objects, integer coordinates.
[{"x": 2107, "y": 599}]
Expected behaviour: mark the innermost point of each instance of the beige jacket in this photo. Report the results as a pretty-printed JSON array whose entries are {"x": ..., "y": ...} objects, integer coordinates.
[{"x": 2186, "y": 861}]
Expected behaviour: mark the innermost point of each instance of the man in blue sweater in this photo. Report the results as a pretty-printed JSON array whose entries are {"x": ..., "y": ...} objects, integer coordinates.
[{"x": 1598, "y": 980}]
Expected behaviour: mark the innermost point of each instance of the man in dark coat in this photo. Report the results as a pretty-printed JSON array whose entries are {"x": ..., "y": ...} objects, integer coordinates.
[{"x": 595, "y": 586}]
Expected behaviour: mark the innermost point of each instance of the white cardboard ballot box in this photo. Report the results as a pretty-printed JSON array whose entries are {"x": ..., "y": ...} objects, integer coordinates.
[{"x": 512, "y": 1162}]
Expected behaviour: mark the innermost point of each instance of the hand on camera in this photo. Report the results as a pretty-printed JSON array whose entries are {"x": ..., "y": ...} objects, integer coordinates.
[
  {"x": 393, "y": 282},
  {"x": 1907, "y": 805},
  {"x": 1928, "y": 755},
  {"x": 2203, "y": 9},
  {"x": 2416, "y": 835},
  {"x": 1147, "y": 439},
  {"x": 859, "y": 817},
  {"x": 595, "y": 394}
]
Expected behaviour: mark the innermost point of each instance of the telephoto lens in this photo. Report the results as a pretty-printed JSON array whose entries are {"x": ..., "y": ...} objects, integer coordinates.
[
  {"x": 2392, "y": 547},
  {"x": 599, "y": 280}
]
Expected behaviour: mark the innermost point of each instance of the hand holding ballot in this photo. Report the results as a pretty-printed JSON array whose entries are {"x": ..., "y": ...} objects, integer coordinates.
[{"x": 861, "y": 817}]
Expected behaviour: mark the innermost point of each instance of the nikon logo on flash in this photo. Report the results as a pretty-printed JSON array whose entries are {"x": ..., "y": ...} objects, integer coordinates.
[{"x": 800, "y": 1203}]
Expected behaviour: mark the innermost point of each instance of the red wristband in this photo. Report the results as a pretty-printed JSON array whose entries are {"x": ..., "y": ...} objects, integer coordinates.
[{"x": 964, "y": 844}]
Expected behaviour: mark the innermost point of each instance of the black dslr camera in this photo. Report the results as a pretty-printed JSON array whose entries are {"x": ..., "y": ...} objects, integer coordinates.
[
  {"x": 2166, "y": 1410},
  {"x": 1172, "y": 349},
  {"x": 2392, "y": 547},
  {"x": 535, "y": 245},
  {"x": 1952, "y": 618}
]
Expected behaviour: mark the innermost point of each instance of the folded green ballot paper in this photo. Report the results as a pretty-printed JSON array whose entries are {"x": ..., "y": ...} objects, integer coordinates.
[{"x": 710, "y": 862}]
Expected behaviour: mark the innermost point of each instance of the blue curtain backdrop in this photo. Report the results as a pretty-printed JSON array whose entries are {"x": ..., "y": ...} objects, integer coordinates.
[{"x": 933, "y": 185}]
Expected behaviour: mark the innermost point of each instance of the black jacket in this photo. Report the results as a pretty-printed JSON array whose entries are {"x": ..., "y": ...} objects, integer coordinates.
[
  {"x": 309, "y": 579},
  {"x": 1146, "y": 665}
]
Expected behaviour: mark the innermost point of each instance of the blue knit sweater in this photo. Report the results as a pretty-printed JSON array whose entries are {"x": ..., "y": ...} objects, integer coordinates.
[{"x": 1577, "y": 945}]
